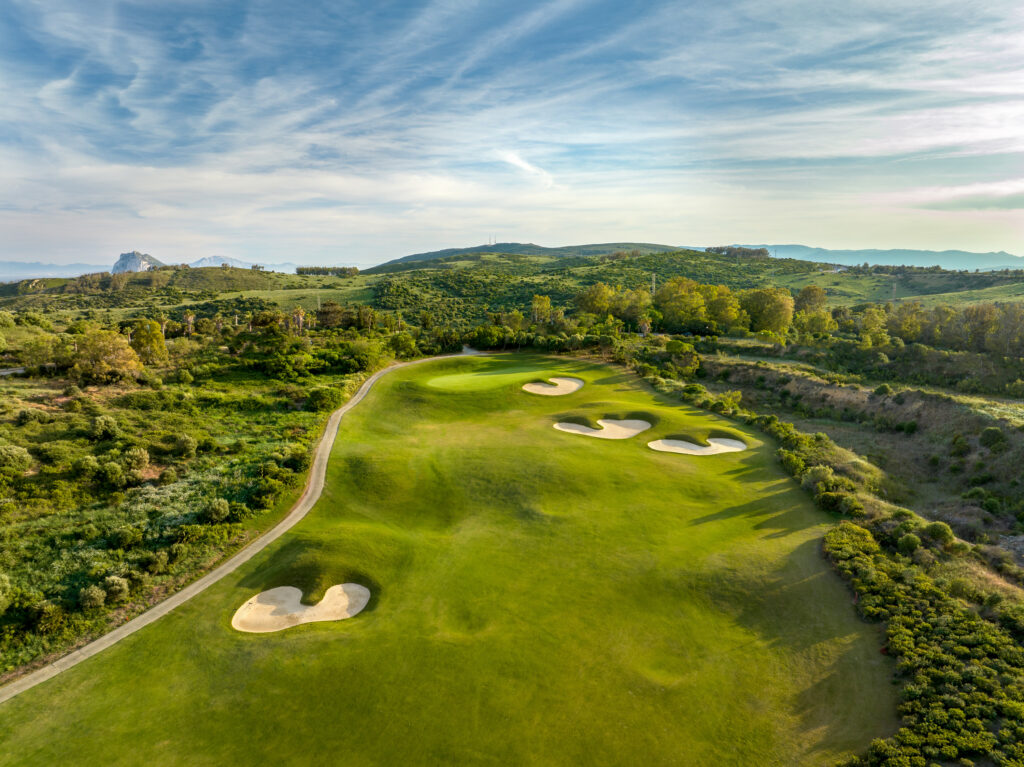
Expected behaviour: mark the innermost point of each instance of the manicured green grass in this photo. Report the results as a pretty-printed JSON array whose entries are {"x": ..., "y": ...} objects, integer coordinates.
[{"x": 539, "y": 598}]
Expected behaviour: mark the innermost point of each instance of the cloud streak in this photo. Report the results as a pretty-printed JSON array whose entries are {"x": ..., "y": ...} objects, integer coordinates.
[{"x": 355, "y": 133}]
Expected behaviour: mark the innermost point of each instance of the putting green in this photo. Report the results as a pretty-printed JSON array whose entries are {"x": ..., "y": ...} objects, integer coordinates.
[
  {"x": 537, "y": 598},
  {"x": 492, "y": 373}
]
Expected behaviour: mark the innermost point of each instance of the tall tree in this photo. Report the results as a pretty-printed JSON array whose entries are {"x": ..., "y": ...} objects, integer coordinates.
[
  {"x": 810, "y": 299},
  {"x": 680, "y": 303},
  {"x": 148, "y": 342},
  {"x": 540, "y": 308},
  {"x": 769, "y": 309}
]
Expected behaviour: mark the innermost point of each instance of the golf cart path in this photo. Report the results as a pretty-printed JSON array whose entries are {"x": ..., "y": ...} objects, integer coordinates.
[{"x": 310, "y": 495}]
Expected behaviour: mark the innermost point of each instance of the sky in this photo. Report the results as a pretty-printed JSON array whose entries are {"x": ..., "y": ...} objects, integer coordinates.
[{"x": 353, "y": 132}]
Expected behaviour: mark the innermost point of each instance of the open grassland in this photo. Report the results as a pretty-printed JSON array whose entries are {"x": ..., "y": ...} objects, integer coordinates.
[{"x": 538, "y": 597}]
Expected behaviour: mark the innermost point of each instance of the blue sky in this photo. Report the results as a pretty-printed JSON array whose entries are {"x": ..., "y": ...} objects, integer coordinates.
[{"x": 353, "y": 132}]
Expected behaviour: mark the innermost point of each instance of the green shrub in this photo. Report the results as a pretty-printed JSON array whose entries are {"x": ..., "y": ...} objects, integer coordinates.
[
  {"x": 117, "y": 588},
  {"x": 324, "y": 399},
  {"x": 186, "y": 446},
  {"x": 884, "y": 390},
  {"x": 940, "y": 532},
  {"x": 125, "y": 537},
  {"x": 177, "y": 551},
  {"x": 104, "y": 427},
  {"x": 216, "y": 511},
  {"x": 791, "y": 462},
  {"x": 91, "y": 597},
  {"x": 154, "y": 562},
  {"x": 29, "y": 415},
  {"x": 817, "y": 478},
  {"x": 909, "y": 543},
  {"x": 240, "y": 512},
  {"x": 49, "y": 618},
  {"x": 6, "y": 320},
  {"x": 168, "y": 476},
  {"x": 958, "y": 446},
  {"x": 184, "y": 377},
  {"x": 112, "y": 475},
  {"x": 14, "y": 459},
  {"x": 991, "y": 437},
  {"x": 136, "y": 459},
  {"x": 85, "y": 466}
]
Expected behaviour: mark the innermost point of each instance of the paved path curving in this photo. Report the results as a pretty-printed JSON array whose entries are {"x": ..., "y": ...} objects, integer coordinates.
[{"x": 311, "y": 494}]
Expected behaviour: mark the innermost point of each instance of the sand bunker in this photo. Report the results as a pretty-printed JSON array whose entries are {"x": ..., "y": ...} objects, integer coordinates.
[
  {"x": 715, "y": 445},
  {"x": 280, "y": 608},
  {"x": 557, "y": 387},
  {"x": 610, "y": 428}
]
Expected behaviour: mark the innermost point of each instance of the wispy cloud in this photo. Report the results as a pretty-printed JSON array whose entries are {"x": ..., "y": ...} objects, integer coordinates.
[{"x": 358, "y": 132}]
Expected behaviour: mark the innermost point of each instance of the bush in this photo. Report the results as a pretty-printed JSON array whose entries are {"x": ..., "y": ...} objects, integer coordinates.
[
  {"x": 104, "y": 427},
  {"x": 125, "y": 537},
  {"x": 791, "y": 462},
  {"x": 29, "y": 415},
  {"x": 940, "y": 532},
  {"x": 217, "y": 511},
  {"x": 117, "y": 588},
  {"x": 884, "y": 390},
  {"x": 818, "y": 478},
  {"x": 240, "y": 512},
  {"x": 324, "y": 398},
  {"x": 909, "y": 543},
  {"x": 184, "y": 377},
  {"x": 92, "y": 597},
  {"x": 991, "y": 437},
  {"x": 49, "y": 618},
  {"x": 112, "y": 475},
  {"x": 177, "y": 551},
  {"x": 154, "y": 562},
  {"x": 168, "y": 476},
  {"x": 958, "y": 447},
  {"x": 136, "y": 459},
  {"x": 186, "y": 445},
  {"x": 85, "y": 466},
  {"x": 14, "y": 459}
]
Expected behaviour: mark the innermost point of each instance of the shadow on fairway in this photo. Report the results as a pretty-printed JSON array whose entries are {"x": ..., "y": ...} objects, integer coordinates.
[{"x": 780, "y": 522}]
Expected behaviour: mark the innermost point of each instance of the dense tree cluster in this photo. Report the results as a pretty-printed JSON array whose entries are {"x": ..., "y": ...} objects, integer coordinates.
[{"x": 333, "y": 271}]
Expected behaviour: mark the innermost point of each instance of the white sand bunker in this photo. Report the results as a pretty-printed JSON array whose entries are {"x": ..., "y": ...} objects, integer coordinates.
[
  {"x": 556, "y": 388},
  {"x": 715, "y": 445},
  {"x": 610, "y": 428},
  {"x": 280, "y": 608}
]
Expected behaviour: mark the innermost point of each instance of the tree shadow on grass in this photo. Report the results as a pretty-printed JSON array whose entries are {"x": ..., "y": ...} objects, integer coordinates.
[
  {"x": 616, "y": 380},
  {"x": 773, "y": 514},
  {"x": 802, "y": 609}
]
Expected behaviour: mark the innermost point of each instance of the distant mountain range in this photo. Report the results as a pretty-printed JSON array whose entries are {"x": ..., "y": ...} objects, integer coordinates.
[{"x": 947, "y": 259}]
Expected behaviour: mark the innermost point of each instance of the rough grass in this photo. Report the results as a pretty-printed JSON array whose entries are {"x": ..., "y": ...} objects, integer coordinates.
[{"x": 538, "y": 599}]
